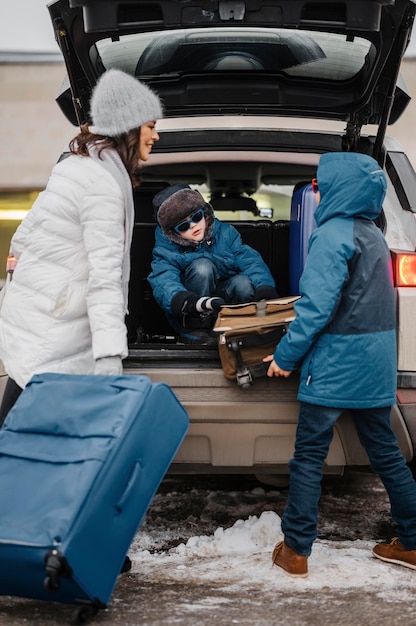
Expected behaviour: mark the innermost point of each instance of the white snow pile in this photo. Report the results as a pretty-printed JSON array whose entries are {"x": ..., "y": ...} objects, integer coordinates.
[{"x": 241, "y": 556}]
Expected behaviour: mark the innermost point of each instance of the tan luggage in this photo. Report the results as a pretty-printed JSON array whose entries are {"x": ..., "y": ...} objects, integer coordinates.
[{"x": 249, "y": 332}]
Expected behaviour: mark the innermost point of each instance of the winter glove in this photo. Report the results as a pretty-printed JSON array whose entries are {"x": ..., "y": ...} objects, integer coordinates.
[
  {"x": 182, "y": 301},
  {"x": 265, "y": 292},
  {"x": 209, "y": 304},
  {"x": 109, "y": 366},
  {"x": 187, "y": 303},
  {"x": 189, "y": 306}
]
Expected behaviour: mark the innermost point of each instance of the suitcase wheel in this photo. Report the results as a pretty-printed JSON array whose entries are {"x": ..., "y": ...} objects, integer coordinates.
[
  {"x": 50, "y": 584},
  {"x": 56, "y": 566},
  {"x": 83, "y": 614}
]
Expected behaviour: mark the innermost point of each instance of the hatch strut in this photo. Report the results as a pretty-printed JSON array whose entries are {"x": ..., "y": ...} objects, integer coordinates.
[
  {"x": 352, "y": 134},
  {"x": 62, "y": 40},
  {"x": 400, "y": 49}
]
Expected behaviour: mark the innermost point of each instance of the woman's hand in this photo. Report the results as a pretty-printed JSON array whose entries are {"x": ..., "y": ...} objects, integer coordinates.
[{"x": 274, "y": 369}]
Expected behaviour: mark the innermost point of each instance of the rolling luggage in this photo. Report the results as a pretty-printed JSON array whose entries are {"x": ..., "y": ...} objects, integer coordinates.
[
  {"x": 302, "y": 223},
  {"x": 81, "y": 458},
  {"x": 249, "y": 332}
]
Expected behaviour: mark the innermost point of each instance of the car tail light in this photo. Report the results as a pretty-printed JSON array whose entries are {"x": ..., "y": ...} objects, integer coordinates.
[
  {"x": 404, "y": 268},
  {"x": 406, "y": 396}
]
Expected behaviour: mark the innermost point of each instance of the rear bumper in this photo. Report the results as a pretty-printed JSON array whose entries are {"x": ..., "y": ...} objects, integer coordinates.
[
  {"x": 252, "y": 431},
  {"x": 406, "y": 336}
]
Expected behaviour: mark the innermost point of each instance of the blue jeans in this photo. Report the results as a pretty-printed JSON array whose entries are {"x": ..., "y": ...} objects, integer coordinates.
[
  {"x": 201, "y": 277},
  {"x": 313, "y": 437}
]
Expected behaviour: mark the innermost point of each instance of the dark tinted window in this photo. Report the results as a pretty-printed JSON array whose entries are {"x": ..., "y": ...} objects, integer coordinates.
[{"x": 308, "y": 54}]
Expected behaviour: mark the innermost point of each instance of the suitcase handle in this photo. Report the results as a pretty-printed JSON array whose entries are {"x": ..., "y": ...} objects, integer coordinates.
[{"x": 131, "y": 483}]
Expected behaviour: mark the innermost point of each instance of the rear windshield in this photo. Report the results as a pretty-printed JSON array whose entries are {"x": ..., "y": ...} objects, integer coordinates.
[{"x": 308, "y": 54}]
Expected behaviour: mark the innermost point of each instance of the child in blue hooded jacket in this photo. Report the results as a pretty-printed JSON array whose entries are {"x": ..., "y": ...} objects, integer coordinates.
[
  {"x": 200, "y": 263},
  {"x": 344, "y": 339}
]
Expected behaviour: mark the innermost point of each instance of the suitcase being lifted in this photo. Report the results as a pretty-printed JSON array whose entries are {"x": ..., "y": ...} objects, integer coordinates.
[{"x": 81, "y": 458}]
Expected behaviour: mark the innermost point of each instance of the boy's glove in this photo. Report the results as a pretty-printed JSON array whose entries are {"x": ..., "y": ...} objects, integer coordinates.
[
  {"x": 189, "y": 306},
  {"x": 209, "y": 304},
  {"x": 265, "y": 292},
  {"x": 109, "y": 366},
  {"x": 187, "y": 303}
]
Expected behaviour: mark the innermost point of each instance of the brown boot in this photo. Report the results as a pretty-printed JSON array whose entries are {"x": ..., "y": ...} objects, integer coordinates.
[
  {"x": 394, "y": 552},
  {"x": 294, "y": 564}
]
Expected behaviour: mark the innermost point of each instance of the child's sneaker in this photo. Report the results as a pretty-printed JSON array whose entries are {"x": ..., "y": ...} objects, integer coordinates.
[
  {"x": 292, "y": 563},
  {"x": 394, "y": 552}
]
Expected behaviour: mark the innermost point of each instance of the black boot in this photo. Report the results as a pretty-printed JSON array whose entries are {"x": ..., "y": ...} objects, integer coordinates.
[
  {"x": 197, "y": 336},
  {"x": 197, "y": 329}
]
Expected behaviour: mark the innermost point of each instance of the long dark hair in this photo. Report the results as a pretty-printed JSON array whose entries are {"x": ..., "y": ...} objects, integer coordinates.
[{"x": 126, "y": 145}]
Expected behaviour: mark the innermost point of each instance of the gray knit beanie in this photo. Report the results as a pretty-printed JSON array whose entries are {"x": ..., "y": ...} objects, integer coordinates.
[{"x": 120, "y": 103}]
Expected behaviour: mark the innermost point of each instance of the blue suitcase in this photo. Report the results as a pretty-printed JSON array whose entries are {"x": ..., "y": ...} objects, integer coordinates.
[
  {"x": 81, "y": 458},
  {"x": 302, "y": 223}
]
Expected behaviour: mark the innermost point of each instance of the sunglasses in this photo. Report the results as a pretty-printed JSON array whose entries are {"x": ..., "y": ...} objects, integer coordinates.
[
  {"x": 315, "y": 186},
  {"x": 196, "y": 217}
]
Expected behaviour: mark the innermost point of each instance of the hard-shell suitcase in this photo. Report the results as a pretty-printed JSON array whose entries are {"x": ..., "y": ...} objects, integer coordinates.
[
  {"x": 81, "y": 458},
  {"x": 302, "y": 223},
  {"x": 247, "y": 333}
]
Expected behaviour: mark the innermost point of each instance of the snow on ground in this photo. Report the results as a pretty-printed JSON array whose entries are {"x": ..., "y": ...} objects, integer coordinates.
[{"x": 240, "y": 556}]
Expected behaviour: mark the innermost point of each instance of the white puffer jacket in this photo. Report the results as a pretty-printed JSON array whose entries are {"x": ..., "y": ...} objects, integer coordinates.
[{"x": 65, "y": 306}]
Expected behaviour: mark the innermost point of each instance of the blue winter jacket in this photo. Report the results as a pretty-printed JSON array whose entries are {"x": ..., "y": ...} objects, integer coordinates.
[
  {"x": 344, "y": 333},
  {"x": 224, "y": 248}
]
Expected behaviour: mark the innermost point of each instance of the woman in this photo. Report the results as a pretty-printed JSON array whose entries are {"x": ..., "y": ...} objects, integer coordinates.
[{"x": 64, "y": 310}]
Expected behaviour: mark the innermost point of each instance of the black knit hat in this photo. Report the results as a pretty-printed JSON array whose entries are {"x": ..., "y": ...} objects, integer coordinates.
[{"x": 174, "y": 204}]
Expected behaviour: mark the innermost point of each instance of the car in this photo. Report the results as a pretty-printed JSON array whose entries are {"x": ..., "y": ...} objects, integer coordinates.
[{"x": 254, "y": 91}]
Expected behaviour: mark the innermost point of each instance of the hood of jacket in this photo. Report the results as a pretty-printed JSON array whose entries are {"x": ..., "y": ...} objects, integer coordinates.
[{"x": 350, "y": 185}]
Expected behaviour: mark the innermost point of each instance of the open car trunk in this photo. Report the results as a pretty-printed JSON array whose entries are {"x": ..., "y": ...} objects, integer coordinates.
[{"x": 254, "y": 91}]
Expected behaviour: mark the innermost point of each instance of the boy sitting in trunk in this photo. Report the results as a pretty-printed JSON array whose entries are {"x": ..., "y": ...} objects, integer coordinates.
[{"x": 200, "y": 263}]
